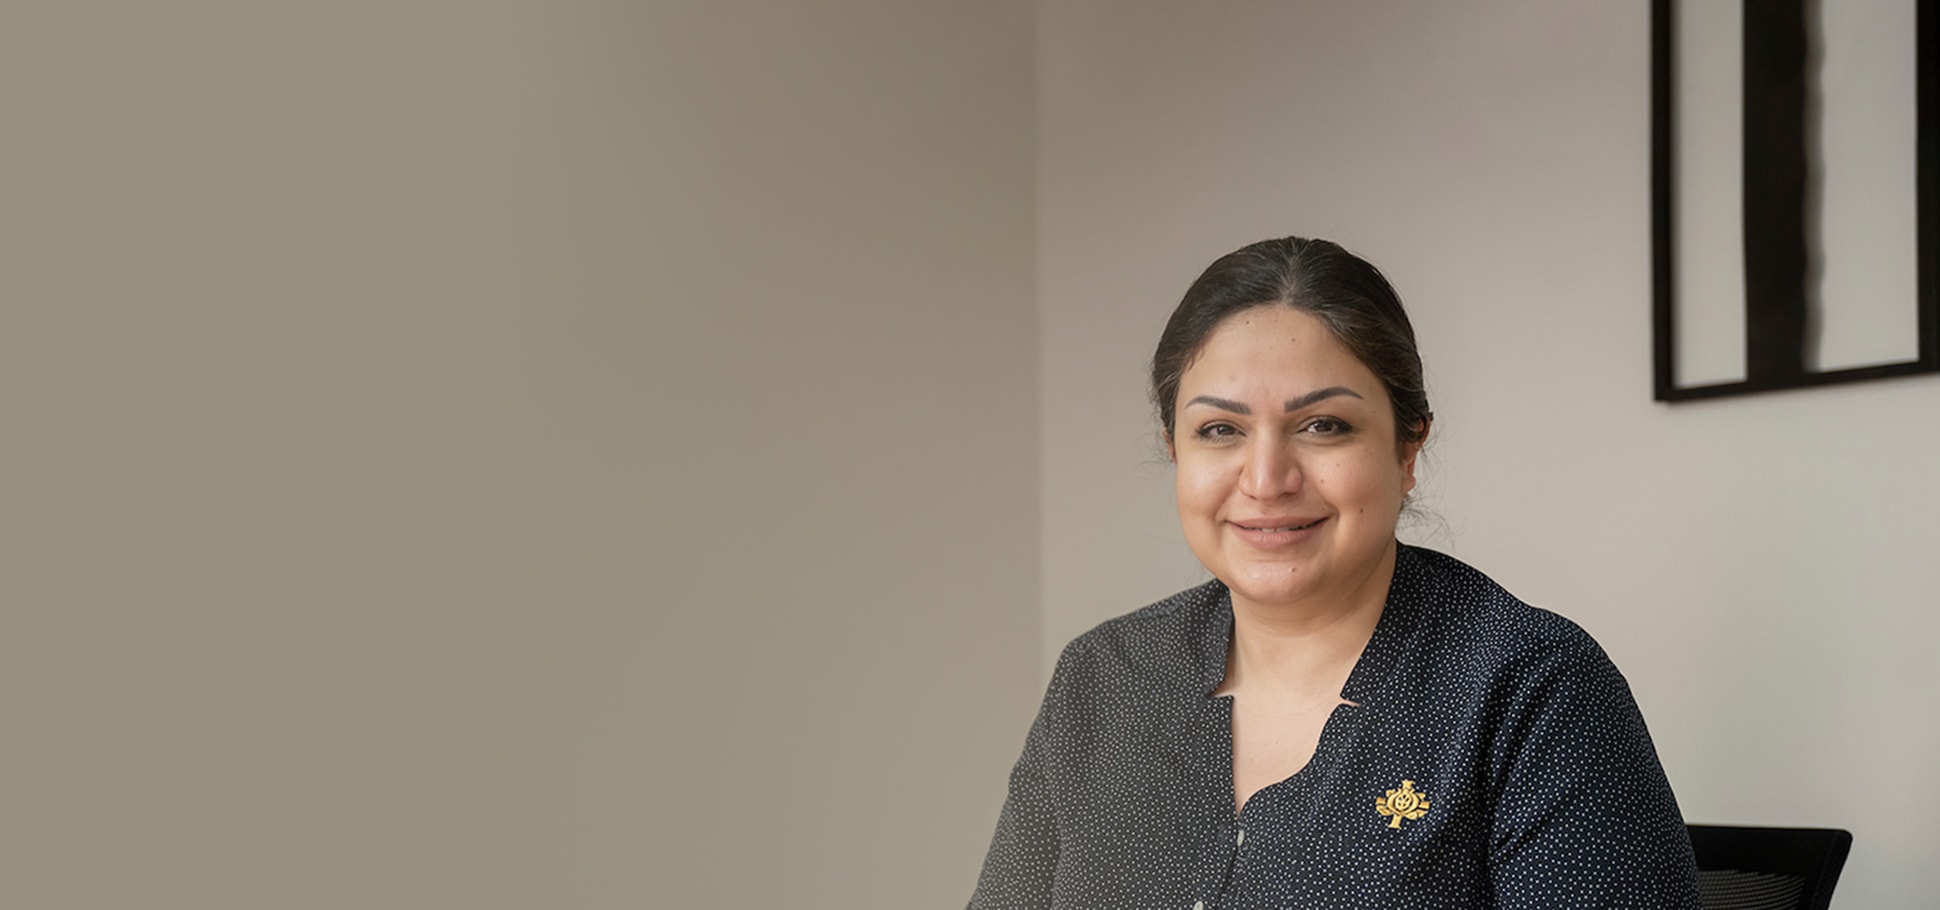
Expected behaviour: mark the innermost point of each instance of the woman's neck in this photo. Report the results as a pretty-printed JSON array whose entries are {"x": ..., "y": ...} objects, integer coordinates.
[{"x": 1305, "y": 646}]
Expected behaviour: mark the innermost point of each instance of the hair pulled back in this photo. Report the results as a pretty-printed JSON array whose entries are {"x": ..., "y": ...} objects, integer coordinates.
[{"x": 1317, "y": 277}]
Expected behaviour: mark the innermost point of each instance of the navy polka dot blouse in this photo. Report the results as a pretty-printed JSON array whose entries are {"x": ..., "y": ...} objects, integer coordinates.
[{"x": 1493, "y": 757}]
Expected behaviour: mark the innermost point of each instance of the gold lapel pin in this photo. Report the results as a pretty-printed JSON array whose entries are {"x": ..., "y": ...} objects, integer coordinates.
[{"x": 1405, "y": 802}]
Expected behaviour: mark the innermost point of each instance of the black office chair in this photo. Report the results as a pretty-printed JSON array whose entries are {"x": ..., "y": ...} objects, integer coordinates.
[{"x": 1768, "y": 868}]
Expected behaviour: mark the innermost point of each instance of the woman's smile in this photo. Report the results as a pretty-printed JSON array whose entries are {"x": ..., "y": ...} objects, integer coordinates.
[{"x": 1275, "y": 533}]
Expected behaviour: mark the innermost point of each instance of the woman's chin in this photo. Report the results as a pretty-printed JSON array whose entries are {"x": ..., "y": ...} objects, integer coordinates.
[{"x": 1273, "y": 587}]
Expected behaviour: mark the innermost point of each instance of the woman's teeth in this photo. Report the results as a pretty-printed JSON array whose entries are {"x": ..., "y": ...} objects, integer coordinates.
[{"x": 1290, "y": 527}]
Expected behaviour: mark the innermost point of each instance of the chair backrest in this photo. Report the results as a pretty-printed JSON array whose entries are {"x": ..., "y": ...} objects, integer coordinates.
[{"x": 1768, "y": 868}]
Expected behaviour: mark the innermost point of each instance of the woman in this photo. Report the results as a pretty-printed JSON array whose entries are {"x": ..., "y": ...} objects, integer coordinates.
[{"x": 1336, "y": 720}]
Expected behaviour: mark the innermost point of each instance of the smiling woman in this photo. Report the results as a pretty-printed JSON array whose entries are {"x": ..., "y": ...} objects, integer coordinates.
[{"x": 1335, "y": 719}]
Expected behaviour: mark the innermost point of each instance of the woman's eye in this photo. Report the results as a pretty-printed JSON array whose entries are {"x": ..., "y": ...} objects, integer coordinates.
[
  {"x": 1217, "y": 431},
  {"x": 1327, "y": 426}
]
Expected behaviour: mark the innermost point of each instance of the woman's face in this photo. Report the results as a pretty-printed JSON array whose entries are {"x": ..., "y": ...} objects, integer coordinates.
[{"x": 1288, "y": 476}]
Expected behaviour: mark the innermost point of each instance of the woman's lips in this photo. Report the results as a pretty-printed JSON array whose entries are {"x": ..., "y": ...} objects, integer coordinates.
[{"x": 1276, "y": 532}]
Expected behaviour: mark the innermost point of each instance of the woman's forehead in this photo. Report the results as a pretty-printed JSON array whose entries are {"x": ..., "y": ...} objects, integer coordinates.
[{"x": 1273, "y": 351}]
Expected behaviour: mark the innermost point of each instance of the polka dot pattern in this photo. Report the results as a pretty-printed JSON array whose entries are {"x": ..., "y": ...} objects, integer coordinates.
[{"x": 1522, "y": 771}]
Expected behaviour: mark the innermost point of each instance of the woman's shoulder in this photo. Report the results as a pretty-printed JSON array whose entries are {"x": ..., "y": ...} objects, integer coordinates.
[
  {"x": 1473, "y": 642},
  {"x": 1167, "y": 634},
  {"x": 1461, "y": 606}
]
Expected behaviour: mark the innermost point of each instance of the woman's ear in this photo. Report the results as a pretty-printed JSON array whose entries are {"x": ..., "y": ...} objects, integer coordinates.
[
  {"x": 1409, "y": 452},
  {"x": 1165, "y": 438}
]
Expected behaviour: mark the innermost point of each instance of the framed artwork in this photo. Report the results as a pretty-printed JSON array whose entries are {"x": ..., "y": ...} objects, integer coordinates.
[{"x": 1796, "y": 234}]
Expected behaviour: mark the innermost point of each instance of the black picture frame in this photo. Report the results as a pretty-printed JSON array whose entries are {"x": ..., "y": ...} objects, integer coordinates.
[{"x": 1775, "y": 180}]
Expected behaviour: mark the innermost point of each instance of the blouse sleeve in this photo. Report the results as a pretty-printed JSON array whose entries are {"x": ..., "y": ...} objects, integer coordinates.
[
  {"x": 1584, "y": 816},
  {"x": 1021, "y": 866},
  {"x": 1018, "y": 870}
]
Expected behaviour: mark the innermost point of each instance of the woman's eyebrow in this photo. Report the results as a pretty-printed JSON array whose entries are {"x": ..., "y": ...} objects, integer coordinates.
[
  {"x": 1221, "y": 403},
  {"x": 1295, "y": 404}
]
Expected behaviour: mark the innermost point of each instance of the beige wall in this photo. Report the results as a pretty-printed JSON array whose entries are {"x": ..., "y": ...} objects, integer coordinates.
[
  {"x": 514, "y": 454},
  {"x": 1763, "y": 569}
]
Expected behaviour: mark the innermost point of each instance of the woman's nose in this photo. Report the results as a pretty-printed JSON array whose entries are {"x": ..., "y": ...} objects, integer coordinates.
[{"x": 1270, "y": 471}]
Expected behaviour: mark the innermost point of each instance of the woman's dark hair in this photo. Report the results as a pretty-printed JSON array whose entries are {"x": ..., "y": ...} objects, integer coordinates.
[{"x": 1345, "y": 292}]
